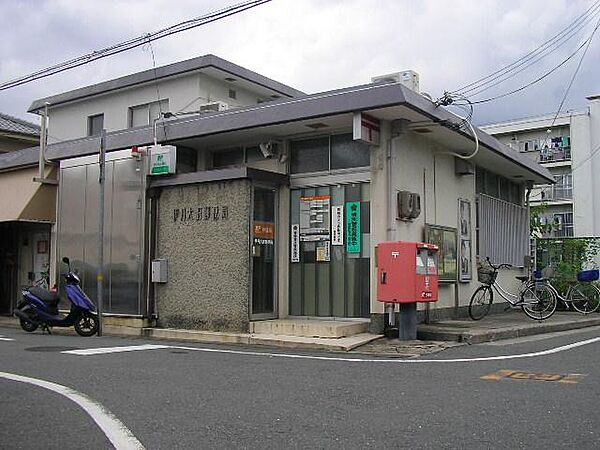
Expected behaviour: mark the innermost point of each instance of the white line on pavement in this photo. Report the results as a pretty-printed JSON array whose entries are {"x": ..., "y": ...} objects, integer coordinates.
[
  {"x": 2, "y": 338},
  {"x": 118, "y": 434},
  {"x": 98, "y": 351},
  {"x": 105, "y": 350}
]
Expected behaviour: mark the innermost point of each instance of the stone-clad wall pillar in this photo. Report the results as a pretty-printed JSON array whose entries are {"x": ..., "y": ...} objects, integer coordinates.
[{"x": 203, "y": 232}]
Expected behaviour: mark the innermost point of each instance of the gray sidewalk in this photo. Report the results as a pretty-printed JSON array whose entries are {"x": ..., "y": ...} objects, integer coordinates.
[
  {"x": 508, "y": 325},
  {"x": 433, "y": 337}
]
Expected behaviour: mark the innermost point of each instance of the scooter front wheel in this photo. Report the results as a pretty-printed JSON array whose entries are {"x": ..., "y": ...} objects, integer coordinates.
[{"x": 86, "y": 325}]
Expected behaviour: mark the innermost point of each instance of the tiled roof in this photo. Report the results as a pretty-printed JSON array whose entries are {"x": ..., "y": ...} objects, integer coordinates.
[{"x": 14, "y": 125}]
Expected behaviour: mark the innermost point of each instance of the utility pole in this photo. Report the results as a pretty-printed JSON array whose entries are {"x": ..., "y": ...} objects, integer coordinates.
[{"x": 100, "y": 276}]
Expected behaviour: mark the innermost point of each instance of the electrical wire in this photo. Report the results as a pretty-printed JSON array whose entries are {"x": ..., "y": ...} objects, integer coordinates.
[
  {"x": 521, "y": 68},
  {"x": 572, "y": 27},
  {"x": 574, "y": 75},
  {"x": 133, "y": 43},
  {"x": 537, "y": 80}
]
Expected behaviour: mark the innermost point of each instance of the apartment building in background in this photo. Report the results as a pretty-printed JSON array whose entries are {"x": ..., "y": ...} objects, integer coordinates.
[{"x": 568, "y": 144}]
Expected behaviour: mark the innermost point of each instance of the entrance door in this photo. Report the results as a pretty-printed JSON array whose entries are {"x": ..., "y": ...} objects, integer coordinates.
[
  {"x": 263, "y": 254},
  {"x": 330, "y": 261}
]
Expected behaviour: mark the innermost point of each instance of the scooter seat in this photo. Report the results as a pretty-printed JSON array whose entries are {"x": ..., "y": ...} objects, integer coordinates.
[{"x": 48, "y": 297}]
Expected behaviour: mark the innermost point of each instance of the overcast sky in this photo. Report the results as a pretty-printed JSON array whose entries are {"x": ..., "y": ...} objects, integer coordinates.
[{"x": 312, "y": 45}]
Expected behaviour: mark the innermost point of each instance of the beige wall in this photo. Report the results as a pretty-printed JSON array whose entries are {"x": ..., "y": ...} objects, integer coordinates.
[
  {"x": 208, "y": 259},
  {"x": 184, "y": 93}
]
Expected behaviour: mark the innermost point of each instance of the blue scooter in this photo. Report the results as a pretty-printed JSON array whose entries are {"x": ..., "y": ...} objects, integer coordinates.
[{"x": 39, "y": 308}]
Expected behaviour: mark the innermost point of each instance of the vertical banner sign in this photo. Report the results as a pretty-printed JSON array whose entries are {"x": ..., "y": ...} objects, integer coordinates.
[
  {"x": 365, "y": 128},
  {"x": 295, "y": 238},
  {"x": 337, "y": 225},
  {"x": 353, "y": 227}
]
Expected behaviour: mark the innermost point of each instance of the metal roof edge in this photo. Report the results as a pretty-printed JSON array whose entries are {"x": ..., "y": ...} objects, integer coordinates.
[
  {"x": 420, "y": 103},
  {"x": 170, "y": 70},
  {"x": 346, "y": 100},
  {"x": 19, "y": 159}
]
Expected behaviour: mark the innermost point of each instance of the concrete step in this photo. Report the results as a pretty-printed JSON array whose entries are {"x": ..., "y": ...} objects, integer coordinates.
[{"x": 310, "y": 328}]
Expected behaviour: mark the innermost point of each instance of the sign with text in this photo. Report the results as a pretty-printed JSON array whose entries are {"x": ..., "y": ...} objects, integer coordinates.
[
  {"x": 365, "y": 129},
  {"x": 314, "y": 218},
  {"x": 337, "y": 225},
  {"x": 353, "y": 227},
  {"x": 264, "y": 230},
  {"x": 295, "y": 241},
  {"x": 163, "y": 159}
]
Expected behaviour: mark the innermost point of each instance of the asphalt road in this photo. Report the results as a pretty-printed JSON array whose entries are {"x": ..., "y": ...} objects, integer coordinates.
[{"x": 183, "y": 396}]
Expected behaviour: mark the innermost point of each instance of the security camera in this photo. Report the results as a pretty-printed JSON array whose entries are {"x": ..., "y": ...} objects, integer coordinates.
[{"x": 267, "y": 150}]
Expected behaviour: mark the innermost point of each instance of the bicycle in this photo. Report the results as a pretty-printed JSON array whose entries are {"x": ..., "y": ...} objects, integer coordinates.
[
  {"x": 535, "y": 297},
  {"x": 583, "y": 294}
]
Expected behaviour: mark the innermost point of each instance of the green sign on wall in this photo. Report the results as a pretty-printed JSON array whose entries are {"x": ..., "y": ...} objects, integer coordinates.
[{"x": 353, "y": 227}]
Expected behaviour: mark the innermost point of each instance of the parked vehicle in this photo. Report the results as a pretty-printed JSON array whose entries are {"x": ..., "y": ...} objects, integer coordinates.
[
  {"x": 535, "y": 297},
  {"x": 39, "y": 308},
  {"x": 583, "y": 294}
]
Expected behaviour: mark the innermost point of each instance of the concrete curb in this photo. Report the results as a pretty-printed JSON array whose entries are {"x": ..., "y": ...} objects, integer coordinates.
[{"x": 477, "y": 335}]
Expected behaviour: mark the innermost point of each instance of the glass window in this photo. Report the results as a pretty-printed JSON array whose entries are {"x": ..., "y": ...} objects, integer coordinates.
[
  {"x": 504, "y": 188},
  {"x": 228, "y": 158},
  {"x": 491, "y": 184},
  {"x": 95, "y": 124},
  {"x": 254, "y": 154},
  {"x": 142, "y": 115},
  {"x": 346, "y": 153},
  {"x": 138, "y": 116},
  {"x": 310, "y": 155}
]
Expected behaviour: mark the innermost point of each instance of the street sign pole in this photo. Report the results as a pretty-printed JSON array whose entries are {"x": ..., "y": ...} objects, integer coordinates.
[{"x": 100, "y": 276}]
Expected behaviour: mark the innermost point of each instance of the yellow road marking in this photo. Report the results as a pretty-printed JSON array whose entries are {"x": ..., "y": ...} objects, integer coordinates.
[{"x": 572, "y": 378}]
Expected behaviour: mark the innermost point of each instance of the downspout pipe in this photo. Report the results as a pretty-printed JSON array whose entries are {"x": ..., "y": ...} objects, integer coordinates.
[{"x": 41, "y": 178}]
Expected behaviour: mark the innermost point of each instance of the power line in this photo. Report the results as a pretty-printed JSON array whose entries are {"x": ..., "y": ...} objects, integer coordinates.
[
  {"x": 525, "y": 64},
  {"x": 575, "y": 74},
  {"x": 537, "y": 80},
  {"x": 573, "y": 26},
  {"x": 133, "y": 43}
]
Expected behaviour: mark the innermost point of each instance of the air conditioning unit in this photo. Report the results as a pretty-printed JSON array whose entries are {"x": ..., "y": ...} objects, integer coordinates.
[
  {"x": 408, "y": 205},
  {"x": 408, "y": 78},
  {"x": 213, "y": 107}
]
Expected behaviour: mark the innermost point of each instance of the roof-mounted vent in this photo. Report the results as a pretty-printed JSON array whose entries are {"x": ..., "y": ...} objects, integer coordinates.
[
  {"x": 213, "y": 107},
  {"x": 408, "y": 78}
]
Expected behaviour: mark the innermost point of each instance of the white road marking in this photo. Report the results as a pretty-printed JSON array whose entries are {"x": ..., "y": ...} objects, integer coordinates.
[
  {"x": 99, "y": 351},
  {"x": 2, "y": 338},
  {"x": 105, "y": 350},
  {"x": 116, "y": 432}
]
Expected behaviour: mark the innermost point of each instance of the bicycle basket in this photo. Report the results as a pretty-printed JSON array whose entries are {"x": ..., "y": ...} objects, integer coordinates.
[
  {"x": 486, "y": 275},
  {"x": 588, "y": 275}
]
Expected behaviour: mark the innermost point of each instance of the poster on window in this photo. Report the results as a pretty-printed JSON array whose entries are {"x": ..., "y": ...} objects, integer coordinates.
[
  {"x": 353, "y": 227},
  {"x": 464, "y": 230},
  {"x": 337, "y": 225},
  {"x": 314, "y": 218},
  {"x": 295, "y": 243}
]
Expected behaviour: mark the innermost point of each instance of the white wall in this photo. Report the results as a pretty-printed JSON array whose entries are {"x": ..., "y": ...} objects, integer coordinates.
[
  {"x": 185, "y": 93},
  {"x": 585, "y": 131},
  {"x": 419, "y": 165}
]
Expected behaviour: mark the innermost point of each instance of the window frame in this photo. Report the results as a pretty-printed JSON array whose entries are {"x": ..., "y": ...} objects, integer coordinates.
[
  {"x": 90, "y": 126},
  {"x": 329, "y": 170}
]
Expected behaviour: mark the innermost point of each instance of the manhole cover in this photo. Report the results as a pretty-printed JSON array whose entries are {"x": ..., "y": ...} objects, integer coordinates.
[{"x": 54, "y": 348}]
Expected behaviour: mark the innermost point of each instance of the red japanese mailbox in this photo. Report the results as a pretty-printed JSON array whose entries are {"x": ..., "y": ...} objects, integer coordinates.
[{"x": 407, "y": 272}]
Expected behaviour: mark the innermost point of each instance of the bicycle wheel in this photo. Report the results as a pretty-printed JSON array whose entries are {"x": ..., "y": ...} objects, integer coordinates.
[
  {"x": 481, "y": 302},
  {"x": 585, "y": 297},
  {"x": 538, "y": 301}
]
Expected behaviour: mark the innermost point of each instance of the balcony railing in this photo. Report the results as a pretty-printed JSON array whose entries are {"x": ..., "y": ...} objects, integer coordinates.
[
  {"x": 557, "y": 192},
  {"x": 555, "y": 154}
]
